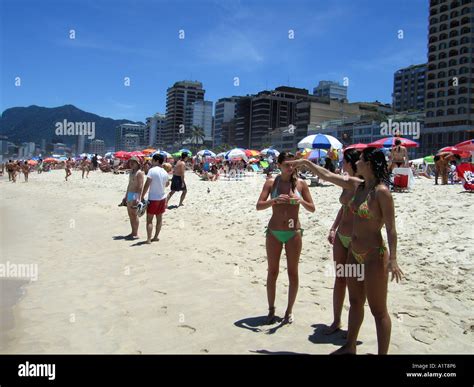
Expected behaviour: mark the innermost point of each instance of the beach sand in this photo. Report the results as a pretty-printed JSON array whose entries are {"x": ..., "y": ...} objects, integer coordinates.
[{"x": 201, "y": 288}]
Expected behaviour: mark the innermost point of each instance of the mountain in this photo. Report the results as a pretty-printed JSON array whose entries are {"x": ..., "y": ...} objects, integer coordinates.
[{"x": 34, "y": 123}]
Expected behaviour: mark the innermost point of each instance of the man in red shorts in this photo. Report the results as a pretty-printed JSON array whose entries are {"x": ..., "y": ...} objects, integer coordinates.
[{"x": 157, "y": 181}]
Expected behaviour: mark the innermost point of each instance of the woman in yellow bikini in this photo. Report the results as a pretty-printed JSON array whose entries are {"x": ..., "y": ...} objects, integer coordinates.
[
  {"x": 286, "y": 193},
  {"x": 340, "y": 237},
  {"x": 372, "y": 205}
]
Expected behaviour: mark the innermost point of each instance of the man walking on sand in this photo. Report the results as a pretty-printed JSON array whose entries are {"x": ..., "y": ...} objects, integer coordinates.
[
  {"x": 177, "y": 183},
  {"x": 157, "y": 181},
  {"x": 133, "y": 195}
]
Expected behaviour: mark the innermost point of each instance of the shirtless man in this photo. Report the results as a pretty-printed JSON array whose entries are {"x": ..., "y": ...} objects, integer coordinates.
[
  {"x": 15, "y": 169},
  {"x": 85, "y": 167},
  {"x": 133, "y": 195},
  {"x": 25, "y": 168},
  {"x": 177, "y": 183},
  {"x": 398, "y": 155},
  {"x": 9, "y": 167},
  {"x": 69, "y": 164}
]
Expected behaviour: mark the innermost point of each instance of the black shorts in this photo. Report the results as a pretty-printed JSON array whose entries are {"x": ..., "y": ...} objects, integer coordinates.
[{"x": 177, "y": 184}]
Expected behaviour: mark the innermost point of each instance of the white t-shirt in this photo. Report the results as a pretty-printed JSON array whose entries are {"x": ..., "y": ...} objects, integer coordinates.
[{"x": 159, "y": 178}]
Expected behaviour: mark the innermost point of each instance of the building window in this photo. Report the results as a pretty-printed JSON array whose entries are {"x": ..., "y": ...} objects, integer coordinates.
[
  {"x": 451, "y": 112},
  {"x": 462, "y": 110},
  {"x": 439, "y": 113}
]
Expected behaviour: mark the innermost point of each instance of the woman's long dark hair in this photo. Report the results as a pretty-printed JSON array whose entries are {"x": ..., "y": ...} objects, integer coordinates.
[
  {"x": 293, "y": 178},
  {"x": 378, "y": 164},
  {"x": 351, "y": 156}
]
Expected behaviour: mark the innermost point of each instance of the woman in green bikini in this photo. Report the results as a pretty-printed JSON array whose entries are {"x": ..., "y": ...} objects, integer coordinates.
[
  {"x": 372, "y": 205},
  {"x": 286, "y": 193},
  {"x": 340, "y": 237}
]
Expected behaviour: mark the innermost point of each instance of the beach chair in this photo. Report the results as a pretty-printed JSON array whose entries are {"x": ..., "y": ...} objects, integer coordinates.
[
  {"x": 465, "y": 172},
  {"x": 254, "y": 168},
  {"x": 403, "y": 179}
]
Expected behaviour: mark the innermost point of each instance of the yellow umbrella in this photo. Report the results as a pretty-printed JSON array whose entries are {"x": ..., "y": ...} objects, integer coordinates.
[{"x": 148, "y": 151}]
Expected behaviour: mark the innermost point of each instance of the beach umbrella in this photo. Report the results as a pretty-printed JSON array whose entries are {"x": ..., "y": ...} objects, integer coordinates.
[
  {"x": 456, "y": 151},
  {"x": 316, "y": 154},
  {"x": 206, "y": 153},
  {"x": 50, "y": 160},
  {"x": 252, "y": 153},
  {"x": 235, "y": 154},
  {"x": 320, "y": 141},
  {"x": 466, "y": 146},
  {"x": 389, "y": 142},
  {"x": 122, "y": 155},
  {"x": 254, "y": 160},
  {"x": 429, "y": 159},
  {"x": 32, "y": 162},
  {"x": 269, "y": 152},
  {"x": 358, "y": 146},
  {"x": 187, "y": 151},
  {"x": 109, "y": 155},
  {"x": 148, "y": 151},
  {"x": 220, "y": 155},
  {"x": 63, "y": 158}
]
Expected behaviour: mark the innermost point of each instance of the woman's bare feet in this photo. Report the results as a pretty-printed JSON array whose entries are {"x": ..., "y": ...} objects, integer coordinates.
[
  {"x": 345, "y": 350},
  {"x": 155, "y": 239},
  {"x": 289, "y": 318},
  {"x": 334, "y": 327},
  {"x": 271, "y": 316}
]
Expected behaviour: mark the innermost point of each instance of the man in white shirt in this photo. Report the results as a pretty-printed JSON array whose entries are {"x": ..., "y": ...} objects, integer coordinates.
[{"x": 157, "y": 180}]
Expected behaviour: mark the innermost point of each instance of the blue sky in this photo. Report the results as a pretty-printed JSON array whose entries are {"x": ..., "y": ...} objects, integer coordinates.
[{"x": 223, "y": 39}]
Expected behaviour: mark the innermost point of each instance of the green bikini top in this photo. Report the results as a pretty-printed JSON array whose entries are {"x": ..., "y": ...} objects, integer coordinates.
[{"x": 363, "y": 210}]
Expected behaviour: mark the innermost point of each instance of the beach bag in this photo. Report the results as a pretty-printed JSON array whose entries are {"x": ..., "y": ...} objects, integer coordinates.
[{"x": 400, "y": 181}]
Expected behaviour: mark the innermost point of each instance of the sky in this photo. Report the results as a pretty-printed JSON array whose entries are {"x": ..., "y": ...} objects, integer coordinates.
[{"x": 125, "y": 54}]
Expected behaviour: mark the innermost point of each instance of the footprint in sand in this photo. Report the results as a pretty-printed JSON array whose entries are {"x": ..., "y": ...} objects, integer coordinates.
[
  {"x": 424, "y": 336},
  {"x": 193, "y": 330}
]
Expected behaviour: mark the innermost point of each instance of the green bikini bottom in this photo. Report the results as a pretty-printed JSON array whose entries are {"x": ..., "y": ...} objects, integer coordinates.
[
  {"x": 284, "y": 235},
  {"x": 345, "y": 240}
]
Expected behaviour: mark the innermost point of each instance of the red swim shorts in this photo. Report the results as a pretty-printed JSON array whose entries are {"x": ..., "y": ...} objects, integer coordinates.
[{"x": 156, "y": 207}]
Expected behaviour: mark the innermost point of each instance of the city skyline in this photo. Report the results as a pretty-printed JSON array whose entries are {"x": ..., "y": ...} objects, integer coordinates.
[{"x": 248, "y": 48}]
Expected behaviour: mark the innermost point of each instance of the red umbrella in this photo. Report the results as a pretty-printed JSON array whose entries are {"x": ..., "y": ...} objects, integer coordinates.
[
  {"x": 389, "y": 142},
  {"x": 456, "y": 151},
  {"x": 466, "y": 145},
  {"x": 122, "y": 155},
  {"x": 358, "y": 146}
]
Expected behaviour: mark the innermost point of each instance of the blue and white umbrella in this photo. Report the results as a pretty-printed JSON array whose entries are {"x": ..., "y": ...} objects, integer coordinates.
[
  {"x": 236, "y": 153},
  {"x": 270, "y": 152},
  {"x": 109, "y": 155},
  {"x": 165, "y": 154},
  {"x": 206, "y": 153},
  {"x": 320, "y": 141},
  {"x": 185, "y": 150},
  {"x": 317, "y": 154}
]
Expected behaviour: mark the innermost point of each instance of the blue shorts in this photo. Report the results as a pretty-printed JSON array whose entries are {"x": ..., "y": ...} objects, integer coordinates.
[{"x": 132, "y": 196}]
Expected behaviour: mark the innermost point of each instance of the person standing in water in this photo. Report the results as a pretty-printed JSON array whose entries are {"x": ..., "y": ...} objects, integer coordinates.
[
  {"x": 340, "y": 238},
  {"x": 177, "y": 182},
  {"x": 372, "y": 206},
  {"x": 286, "y": 193}
]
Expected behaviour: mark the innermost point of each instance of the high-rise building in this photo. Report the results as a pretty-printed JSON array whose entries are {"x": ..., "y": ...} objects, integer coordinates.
[
  {"x": 199, "y": 114},
  {"x": 122, "y": 130},
  {"x": 81, "y": 144},
  {"x": 449, "y": 101},
  {"x": 155, "y": 127},
  {"x": 97, "y": 146},
  {"x": 258, "y": 115},
  {"x": 131, "y": 142},
  {"x": 331, "y": 90},
  {"x": 178, "y": 116},
  {"x": 409, "y": 88},
  {"x": 225, "y": 112}
]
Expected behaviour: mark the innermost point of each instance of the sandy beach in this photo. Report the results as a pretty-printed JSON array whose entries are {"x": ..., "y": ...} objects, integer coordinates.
[{"x": 201, "y": 288}]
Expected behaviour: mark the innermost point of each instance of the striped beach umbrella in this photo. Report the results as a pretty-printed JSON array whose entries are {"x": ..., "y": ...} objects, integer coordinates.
[
  {"x": 320, "y": 141},
  {"x": 206, "y": 153},
  {"x": 236, "y": 153}
]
